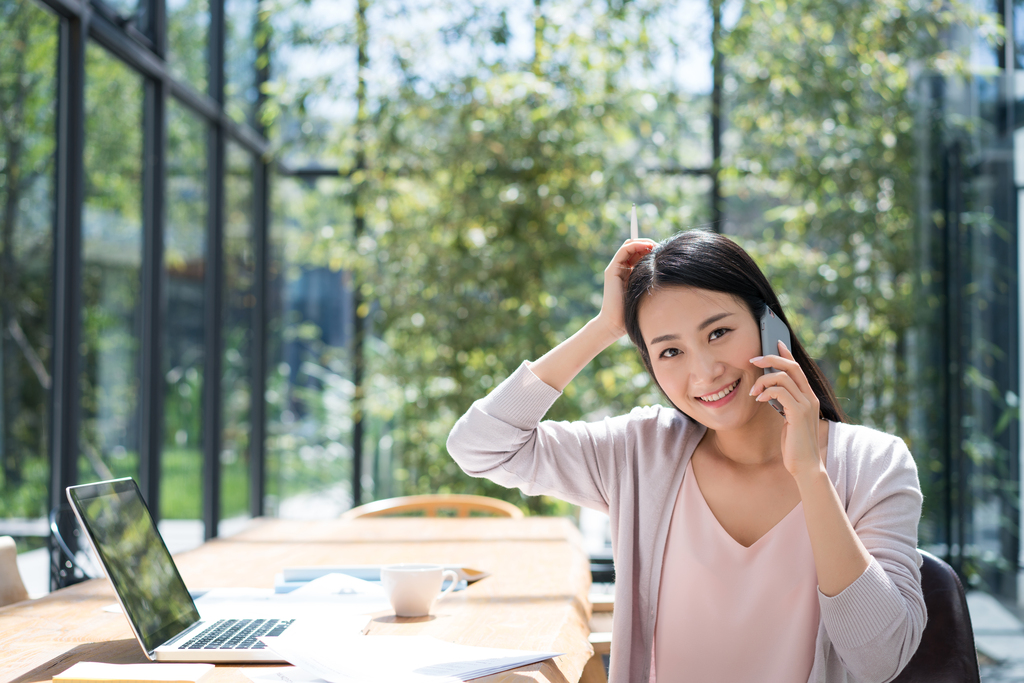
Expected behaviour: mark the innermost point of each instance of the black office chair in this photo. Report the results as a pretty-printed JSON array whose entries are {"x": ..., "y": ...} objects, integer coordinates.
[
  {"x": 67, "y": 565},
  {"x": 946, "y": 653}
]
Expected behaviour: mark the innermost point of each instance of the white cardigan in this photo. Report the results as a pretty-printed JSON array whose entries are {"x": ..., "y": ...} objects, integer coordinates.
[{"x": 631, "y": 467}]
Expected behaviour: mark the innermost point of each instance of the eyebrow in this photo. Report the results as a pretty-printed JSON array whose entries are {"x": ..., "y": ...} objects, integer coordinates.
[
  {"x": 712, "y": 320},
  {"x": 707, "y": 323},
  {"x": 664, "y": 337}
]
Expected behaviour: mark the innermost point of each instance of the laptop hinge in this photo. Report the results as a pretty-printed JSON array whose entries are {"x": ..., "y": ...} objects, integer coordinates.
[{"x": 182, "y": 634}]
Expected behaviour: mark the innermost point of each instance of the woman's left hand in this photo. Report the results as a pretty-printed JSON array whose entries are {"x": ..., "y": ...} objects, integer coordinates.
[{"x": 790, "y": 387}]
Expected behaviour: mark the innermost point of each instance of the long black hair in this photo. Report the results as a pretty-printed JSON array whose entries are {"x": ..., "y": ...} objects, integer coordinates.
[{"x": 706, "y": 260}]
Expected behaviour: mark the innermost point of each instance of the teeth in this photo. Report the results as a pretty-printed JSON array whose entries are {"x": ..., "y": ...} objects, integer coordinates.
[{"x": 720, "y": 395}]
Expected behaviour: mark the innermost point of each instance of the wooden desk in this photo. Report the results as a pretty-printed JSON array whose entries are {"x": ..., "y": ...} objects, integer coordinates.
[{"x": 535, "y": 598}]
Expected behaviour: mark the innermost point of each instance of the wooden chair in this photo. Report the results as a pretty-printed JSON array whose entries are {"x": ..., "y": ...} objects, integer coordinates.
[
  {"x": 429, "y": 505},
  {"x": 12, "y": 589}
]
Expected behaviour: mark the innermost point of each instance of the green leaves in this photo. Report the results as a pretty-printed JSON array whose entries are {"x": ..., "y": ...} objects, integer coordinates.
[{"x": 498, "y": 185}]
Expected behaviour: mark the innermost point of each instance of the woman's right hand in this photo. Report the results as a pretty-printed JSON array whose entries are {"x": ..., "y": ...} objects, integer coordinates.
[
  {"x": 615, "y": 277},
  {"x": 560, "y": 365}
]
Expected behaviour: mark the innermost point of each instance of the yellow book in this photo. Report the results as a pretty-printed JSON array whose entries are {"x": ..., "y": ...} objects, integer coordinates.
[{"x": 98, "y": 672}]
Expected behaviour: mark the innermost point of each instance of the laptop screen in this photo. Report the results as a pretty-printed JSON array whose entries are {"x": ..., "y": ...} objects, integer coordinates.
[{"x": 136, "y": 559}]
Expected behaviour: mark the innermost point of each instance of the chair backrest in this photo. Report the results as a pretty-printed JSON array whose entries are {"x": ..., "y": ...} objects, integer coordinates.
[
  {"x": 12, "y": 589},
  {"x": 429, "y": 505},
  {"x": 68, "y": 564},
  {"x": 946, "y": 653}
]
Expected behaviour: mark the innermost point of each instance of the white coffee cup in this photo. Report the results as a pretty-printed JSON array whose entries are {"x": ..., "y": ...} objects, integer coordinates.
[{"x": 412, "y": 588}]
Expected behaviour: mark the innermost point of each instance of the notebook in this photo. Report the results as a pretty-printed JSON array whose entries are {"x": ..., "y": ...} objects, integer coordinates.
[
  {"x": 101, "y": 672},
  {"x": 149, "y": 588}
]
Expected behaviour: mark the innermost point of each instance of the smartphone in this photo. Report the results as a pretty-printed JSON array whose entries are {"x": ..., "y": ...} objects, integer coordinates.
[{"x": 773, "y": 331}]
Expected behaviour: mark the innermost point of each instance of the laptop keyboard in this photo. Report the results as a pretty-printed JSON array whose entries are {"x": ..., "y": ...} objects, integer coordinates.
[{"x": 236, "y": 634}]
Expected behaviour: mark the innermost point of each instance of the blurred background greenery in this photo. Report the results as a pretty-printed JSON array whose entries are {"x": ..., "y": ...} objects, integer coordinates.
[{"x": 444, "y": 183}]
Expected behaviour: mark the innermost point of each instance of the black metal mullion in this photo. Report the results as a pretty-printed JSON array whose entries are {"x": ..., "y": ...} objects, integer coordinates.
[
  {"x": 957, "y": 482},
  {"x": 1011, "y": 499},
  {"x": 718, "y": 78},
  {"x": 69, "y": 8},
  {"x": 142, "y": 59},
  {"x": 1014, "y": 351},
  {"x": 213, "y": 320},
  {"x": 213, "y": 276},
  {"x": 151, "y": 404},
  {"x": 257, "y": 402},
  {"x": 157, "y": 27},
  {"x": 261, "y": 230},
  {"x": 65, "y": 415}
]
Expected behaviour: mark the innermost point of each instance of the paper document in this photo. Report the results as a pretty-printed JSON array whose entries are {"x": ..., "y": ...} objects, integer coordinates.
[
  {"x": 367, "y": 572},
  {"x": 279, "y": 674},
  {"x": 339, "y": 584},
  {"x": 392, "y": 659},
  {"x": 359, "y": 580}
]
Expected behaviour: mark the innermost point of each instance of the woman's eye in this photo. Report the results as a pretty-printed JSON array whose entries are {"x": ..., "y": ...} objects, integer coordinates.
[
  {"x": 669, "y": 353},
  {"x": 718, "y": 333}
]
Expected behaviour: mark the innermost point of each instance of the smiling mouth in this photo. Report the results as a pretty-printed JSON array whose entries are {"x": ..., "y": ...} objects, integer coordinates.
[{"x": 711, "y": 398}]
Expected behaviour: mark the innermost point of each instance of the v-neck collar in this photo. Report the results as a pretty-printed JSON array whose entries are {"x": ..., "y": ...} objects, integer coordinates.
[
  {"x": 688, "y": 473},
  {"x": 705, "y": 508}
]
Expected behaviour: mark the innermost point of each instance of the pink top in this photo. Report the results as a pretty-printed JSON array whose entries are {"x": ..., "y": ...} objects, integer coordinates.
[
  {"x": 731, "y": 613},
  {"x": 631, "y": 466}
]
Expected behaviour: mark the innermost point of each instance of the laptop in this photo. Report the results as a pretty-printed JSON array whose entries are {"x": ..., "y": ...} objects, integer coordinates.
[{"x": 149, "y": 588}]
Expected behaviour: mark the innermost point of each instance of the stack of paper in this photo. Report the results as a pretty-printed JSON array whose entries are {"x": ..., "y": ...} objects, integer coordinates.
[{"x": 323, "y": 655}]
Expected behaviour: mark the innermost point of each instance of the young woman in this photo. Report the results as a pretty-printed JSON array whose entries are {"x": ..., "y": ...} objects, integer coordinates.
[{"x": 749, "y": 546}]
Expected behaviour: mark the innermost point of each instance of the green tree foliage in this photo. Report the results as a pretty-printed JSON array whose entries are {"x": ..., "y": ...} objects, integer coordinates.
[
  {"x": 833, "y": 129},
  {"x": 111, "y": 273},
  {"x": 27, "y": 135},
  {"x": 497, "y": 184},
  {"x": 493, "y": 200},
  {"x": 823, "y": 117},
  {"x": 188, "y": 28}
]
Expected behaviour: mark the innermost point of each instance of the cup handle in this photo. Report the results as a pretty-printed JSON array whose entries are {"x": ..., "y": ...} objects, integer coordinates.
[{"x": 451, "y": 586}]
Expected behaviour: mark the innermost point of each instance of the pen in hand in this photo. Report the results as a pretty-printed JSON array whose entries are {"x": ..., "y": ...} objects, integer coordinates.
[{"x": 634, "y": 231}]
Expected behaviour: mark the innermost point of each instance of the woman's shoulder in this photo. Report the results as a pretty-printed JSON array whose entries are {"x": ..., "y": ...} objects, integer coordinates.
[
  {"x": 659, "y": 429},
  {"x": 649, "y": 424},
  {"x": 659, "y": 417},
  {"x": 860, "y": 447}
]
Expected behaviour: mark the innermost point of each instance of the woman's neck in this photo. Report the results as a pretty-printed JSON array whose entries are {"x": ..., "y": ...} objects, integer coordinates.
[{"x": 758, "y": 443}]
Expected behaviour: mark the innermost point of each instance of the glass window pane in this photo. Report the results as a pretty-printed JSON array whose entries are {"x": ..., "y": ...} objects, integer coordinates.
[
  {"x": 184, "y": 329},
  {"x": 239, "y": 300},
  {"x": 240, "y": 59},
  {"x": 309, "y": 378},
  {"x": 1018, "y": 35},
  {"x": 111, "y": 271},
  {"x": 188, "y": 33},
  {"x": 125, "y": 8},
  {"x": 27, "y": 138}
]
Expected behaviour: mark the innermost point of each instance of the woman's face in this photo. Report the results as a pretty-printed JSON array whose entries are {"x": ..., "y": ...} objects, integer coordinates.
[{"x": 700, "y": 344}]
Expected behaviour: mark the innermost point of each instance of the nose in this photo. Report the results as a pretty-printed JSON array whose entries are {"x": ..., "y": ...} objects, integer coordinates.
[{"x": 706, "y": 370}]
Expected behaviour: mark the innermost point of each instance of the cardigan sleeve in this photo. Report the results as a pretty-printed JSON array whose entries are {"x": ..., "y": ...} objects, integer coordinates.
[
  {"x": 876, "y": 624},
  {"x": 502, "y": 438}
]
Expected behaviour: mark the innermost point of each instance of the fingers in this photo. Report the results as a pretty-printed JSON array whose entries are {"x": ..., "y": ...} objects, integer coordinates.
[
  {"x": 637, "y": 249},
  {"x": 782, "y": 395},
  {"x": 785, "y": 363},
  {"x": 783, "y": 388},
  {"x": 775, "y": 379},
  {"x": 796, "y": 406},
  {"x": 629, "y": 254}
]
